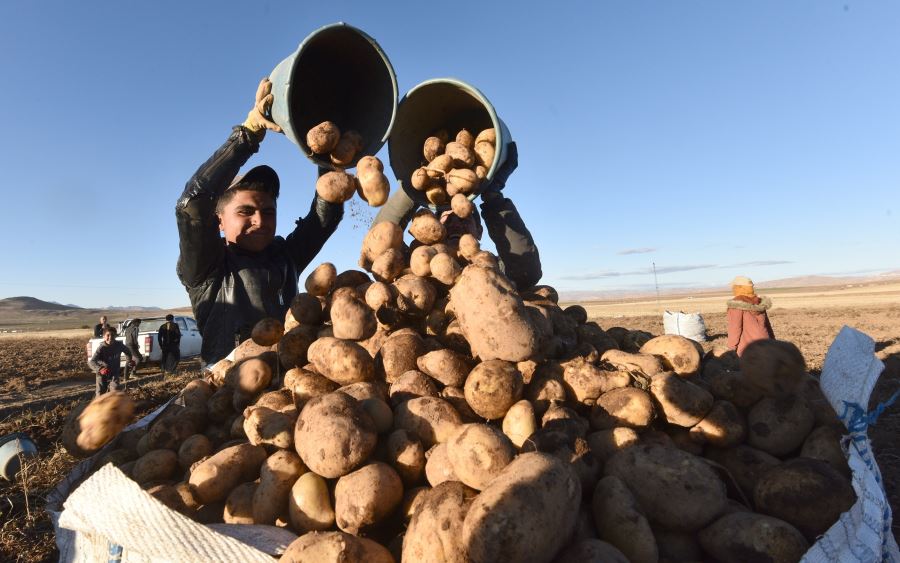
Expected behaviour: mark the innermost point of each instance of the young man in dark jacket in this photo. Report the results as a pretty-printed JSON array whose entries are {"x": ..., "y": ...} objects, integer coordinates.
[
  {"x": 249, "y": 274},
  {"x": 105, "y": 362},
  {"x": 131, "y": 342},
  {"x": 169, "y": 337}
]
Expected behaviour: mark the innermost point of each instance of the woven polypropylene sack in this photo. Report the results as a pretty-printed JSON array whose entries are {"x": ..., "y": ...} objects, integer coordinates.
[{"x": 688, "y": 325}]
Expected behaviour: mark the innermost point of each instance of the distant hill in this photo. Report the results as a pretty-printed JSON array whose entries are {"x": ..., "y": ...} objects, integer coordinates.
[{"x": 33, "y": 304}]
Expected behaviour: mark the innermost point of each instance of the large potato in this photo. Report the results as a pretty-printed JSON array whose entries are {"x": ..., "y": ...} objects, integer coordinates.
[
  {"x": 276, "y": 478},
  {"x": 438, "y": 468},
  {"x": 416, "y": 295},
  {"x": 351, "y": 318},
  {"x": 585, "y": 382},
  {"x": 380, "y": 237},
  {"x": 677, "y": 353},
  {"x": 673, "y": 488},
  {"x": 334, "y": 435},
  {"x": 304, "y": 385},
  {"x": 445, "y": 365},
  {"x": 410, "y": 385},
  {"x": 294, "y": 346},
  {"x": 336, "y": 186},
  {"x": 399, "y": 353},
  {"x": 266, "y": 427},
  {"x": 366, "y": 496},
  {"x": 91, "y": 426},
  {"x": 607, "y": 443},
  {"x": 625, "y": 406},
  {"x": 682, "y": 403},
  {"x": 429, "y": 419},
  {"x": 807, "y": 493},
  {"x": 824, "y": 443},
  {"x": 212, "y": 479},
  {"x": 492, "y": 316},
  {"x": 775, "y": 367},
  {"x": 155, "y": 465},
  {"x": 740, "y": 537},
  {"x": 648, "y": 364},
  {"x": 478, "y": 453},
  {"x": 334, "y": 547},
  {"x": 723, "y": 426},
  {"x": 492, "y": 387},
  {"x": 309, "y": 504},
  {"x": 744, "y": 464},
  {"x": 407, "y": 455},
  {"x": 426, "y": 228},
  {"x": 503, "y": 524},
  {"x": 728, "y": 385},
  {"x": 435, "y": 529},
  {"x": 193, "y": 449},
  {"x": 320, "y": 281},
  {"x": 620, "y": 521},
  {"x": 341, "y": 361},
  {"x": 323, "y": 138},
  {"x": 779, "y": 425}
]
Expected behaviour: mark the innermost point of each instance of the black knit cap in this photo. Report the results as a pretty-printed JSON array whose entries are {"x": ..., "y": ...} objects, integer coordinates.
[{"x": 262, "y": 174}]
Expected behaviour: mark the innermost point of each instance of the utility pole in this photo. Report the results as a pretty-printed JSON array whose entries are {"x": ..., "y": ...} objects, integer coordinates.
[{"x": 656, "y": 283}]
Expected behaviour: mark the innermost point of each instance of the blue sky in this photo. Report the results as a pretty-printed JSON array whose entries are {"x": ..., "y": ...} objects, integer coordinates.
[{"x": 709, "y": 138}]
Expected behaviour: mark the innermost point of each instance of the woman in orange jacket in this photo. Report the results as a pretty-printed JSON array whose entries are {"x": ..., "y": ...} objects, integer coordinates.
[{"x": 747, "y": 318}]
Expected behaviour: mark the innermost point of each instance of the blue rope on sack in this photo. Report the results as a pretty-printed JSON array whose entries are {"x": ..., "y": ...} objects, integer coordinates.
[{"x": 858, "y": 420}]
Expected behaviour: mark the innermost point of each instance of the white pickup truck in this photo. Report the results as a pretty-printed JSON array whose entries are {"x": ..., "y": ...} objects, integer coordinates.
[{"x": 147, "y": 342}]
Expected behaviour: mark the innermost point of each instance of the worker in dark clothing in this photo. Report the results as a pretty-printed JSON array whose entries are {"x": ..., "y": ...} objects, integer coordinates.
[
  {"x": 518, "y": 254},
  {"x": 248, "y": 274},
  {"x": 98, "y": 328},
  {"x": 105, "y": 362},
  {"x": 131, "y": 342},
  {"x": 169, "y": 337}
]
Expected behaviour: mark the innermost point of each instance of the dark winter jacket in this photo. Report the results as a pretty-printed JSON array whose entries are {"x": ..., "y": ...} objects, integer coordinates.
[
  {"x": 748, "y": 321},
  {"x": 131, "y": 335},
  {"x": 168, "y": 335},
  {"x": 108, "y": 356},
  {"x": 231, "y": 289}
]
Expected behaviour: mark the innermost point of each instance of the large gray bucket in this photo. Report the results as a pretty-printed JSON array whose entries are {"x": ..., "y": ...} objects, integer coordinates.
[
  {"x": 441, "y": 103},
  {"x": 13, "y": 448},
  {"x": 339, "y": 74}
]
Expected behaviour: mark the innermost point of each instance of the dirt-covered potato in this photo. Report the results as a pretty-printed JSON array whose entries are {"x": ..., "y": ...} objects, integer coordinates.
[
  {"x": 420, "y": 180},
  {"x": 309, "y": 504},
  {"x": 305, "y": 385},
  {"x": 585, "y": 383},
  {"x": 352, "y": 318},
  {"x": 399, "y": 353},
  {"x": 249, "y": 377},
  {"x": 380, "y": 237},
  {"x": 429, "y": 419},
  {"x": 416, "y": 295},
  {"x": 434, "y": 146},
  {"x": 155, "y": 465},
  {"x": 824, "y": 443},
  {"x": 444, "y": 268},
  {"x": 239, "y": 504},
  {"x": 492, "y": 387},
  {"x": 681, "y": 402},
  {"x": 410, "y": 385},
  {"x": 445, "y": 365},
  {"x": 779, "y": 425},
  {"x": 676, "y": 352},
  {"x": 775, "y": 367},
  {"x": 503, "y": 524},
  {"x": 266, "y": 427},
  {"x": 334, "y": 435},
  {"x": 620, "y": 522},
  {"x": 426, "y": 228},
  {"x": 461, "y": 181},
  {"x": 484, "y": 154},
  {"x": 341, "y": 361},
  {"x": 336, "y": 186},
  {"x": 374, "y": 186},
  {"x": 321, "y": 547},
  {"x": 389, "y": 266},
  {"x": 648, "y": 364},
  {"x": 92, "y": 425},
  {"x": 267, "y": 331},
  {"x": 435, "y": 528},
  {"x": 169, "y": 496},
  {"x": 461, "y": 205},
  {"x": 380, "y": 413},
  {"x": 606, "y": 443},
  {"x": 591, "y": 551},
  {"x": 277, "y": 476},
  {"x": 366, "y": 496},
  {"x": 437, "y": 466},
  {"x": 169, "y": 432},
  {"x": 193, "y": 449},
  {"x": 728, "y": 385},
  {"x": 744, "y": 536},
  {"x": 420, "y": 260},
  {"x": 745, "y": 464},
  {"x": 477, "y": 296},
  {"x": 407, "y": 456},
  {"x": 625, "y": 406},
  {"x": 212, "y": 479},
  {"x": 806, "y": 493},
  {"x": 369, "y": 162},
  {"x": 323, "y": 138},
  {"x": 477, "y": 453},
  {"x": 348, "y": 145},
  {"x": 673, "y": 488},
  {"x": 723, "y": 426},
  {"x": 321, "y": 280},
  {"x": 519, "y": 423}
]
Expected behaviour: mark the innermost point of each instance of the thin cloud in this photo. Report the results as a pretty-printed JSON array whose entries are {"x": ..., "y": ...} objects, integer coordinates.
[
  {"x": 635, "y": 251},
  {"x": 760, "y": 263},
  {"x": 640, "y": 272}
]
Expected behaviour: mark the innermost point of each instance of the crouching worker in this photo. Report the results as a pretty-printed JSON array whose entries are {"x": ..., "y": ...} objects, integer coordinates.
[
  {"x": 247, "y": 274},
  {"x": 105, "y": 362},
  {"x": 517, "y": 252}
]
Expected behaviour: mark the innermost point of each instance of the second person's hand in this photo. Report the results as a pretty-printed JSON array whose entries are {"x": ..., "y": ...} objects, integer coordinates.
[{"x": 258, "y": 121}]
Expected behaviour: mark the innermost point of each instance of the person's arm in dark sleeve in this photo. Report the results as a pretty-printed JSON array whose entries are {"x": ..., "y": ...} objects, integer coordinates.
[
  {"x": 515, "y": 246},
  {"x": 198, "y": 227},
  {"x": 398, "y": 209},
  {"x": 312, "y": 231},
  {"x": 95, "y": 363}
]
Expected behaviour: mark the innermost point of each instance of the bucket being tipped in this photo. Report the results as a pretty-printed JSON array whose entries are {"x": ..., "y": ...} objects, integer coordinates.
[
  {"x": 441, "y": 103},
  {"x": 338, "y": 74},
  {"x": 13, "y": 449}
]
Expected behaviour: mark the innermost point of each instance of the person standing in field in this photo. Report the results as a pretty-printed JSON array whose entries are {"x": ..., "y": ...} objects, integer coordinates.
[
  {"x": 98, "y": 328},
  {"x": 131, "y": 342},
  {"x": 248, "y": 274},
  {"x": 169, "y": 337},
  {"x": 105, "y": 362},
  {"x": 747, "y": 317}
]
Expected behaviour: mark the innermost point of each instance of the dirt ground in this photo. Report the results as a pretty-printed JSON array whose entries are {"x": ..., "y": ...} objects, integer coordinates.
[{"x": 42, "y": 375}]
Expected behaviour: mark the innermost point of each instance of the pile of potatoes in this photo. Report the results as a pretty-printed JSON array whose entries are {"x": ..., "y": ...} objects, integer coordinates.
[
  {"x": 454, "y": 167},
  {"x": 337, "y": 186},
  {"x": 436, "y": 413}
]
